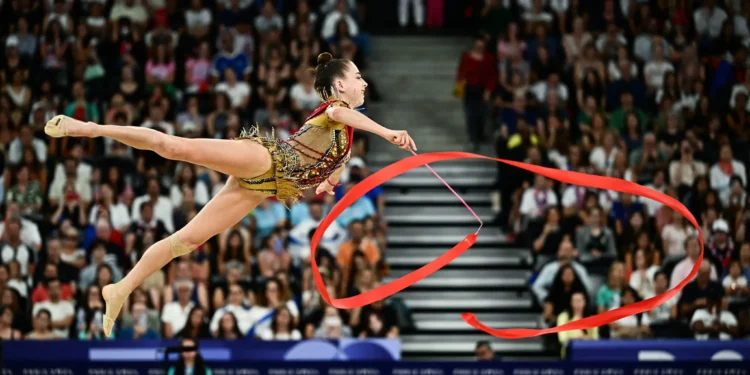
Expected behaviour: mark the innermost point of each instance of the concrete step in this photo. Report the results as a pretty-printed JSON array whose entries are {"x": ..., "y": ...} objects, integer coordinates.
[
  {"x": 440, "y": 305},
  {"x": 455, "y": 181},
  {"x": 435, "y": 198},
  {"x": 414, "y": 258},
  {"x": 446, "y": 241},
  {"x": 463, "y": 279},
  {"x": 436, "y": 215}
]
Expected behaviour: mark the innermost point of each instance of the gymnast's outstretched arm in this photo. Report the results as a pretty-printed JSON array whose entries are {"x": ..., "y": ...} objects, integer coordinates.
[{"x": 362, "y": 122}]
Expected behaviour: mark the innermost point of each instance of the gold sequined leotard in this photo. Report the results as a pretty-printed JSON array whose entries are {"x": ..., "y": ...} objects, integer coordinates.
[{"x": 304, "y": 160}]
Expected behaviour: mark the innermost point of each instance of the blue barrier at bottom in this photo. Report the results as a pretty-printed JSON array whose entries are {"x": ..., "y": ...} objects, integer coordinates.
[
  {"x": 386, "y": 368},
  {"x": 660, "y": 350}
]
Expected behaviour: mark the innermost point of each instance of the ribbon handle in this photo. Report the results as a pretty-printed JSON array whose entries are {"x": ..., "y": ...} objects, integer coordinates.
[{"x": 575, "y": 178}]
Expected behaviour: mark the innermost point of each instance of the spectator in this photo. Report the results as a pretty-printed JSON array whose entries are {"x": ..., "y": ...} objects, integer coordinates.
[
  {"x": 735, "y": 283},
  {"x": 634, "y": 326},
  {"x": 610, "y": 293},
  {"x": 13, "y": 249},
  {"x": 577, "y": 309},
  {"x": 713, "y": 321},
  {"x": 61, "y": 311},
  {"x": 176, "y": 313},
  {"x": 42, "y": 326},
  {"x": 7, "y": 332},
  {"x": 566, "y": 284},
  {"x": 196, "y": 326},
  {"x": 237, "y": 308},
  {"x": 547, "y": 276},
  {"x": 140, "y": 330},
  {"x": 483, "y": 351},
  {"x": 642, "y": 278},
  {"x": 593, "y": 241},
  {"x": 695, "y": 295},
  {"x": 228, "y": 328},
  {"x": 282, "y": 326},
  {"x": 190, "y": 362},
  {"x": 357, "y": 242}
]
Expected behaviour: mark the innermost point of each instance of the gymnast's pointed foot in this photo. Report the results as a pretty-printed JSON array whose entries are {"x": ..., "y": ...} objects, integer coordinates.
[
  {"x": 64, "y": 126},
  {"x": 114, "y": 297}
]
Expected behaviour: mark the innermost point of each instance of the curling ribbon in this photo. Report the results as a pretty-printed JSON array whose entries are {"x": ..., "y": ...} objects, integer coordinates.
[{"x": 575, "y": 178}]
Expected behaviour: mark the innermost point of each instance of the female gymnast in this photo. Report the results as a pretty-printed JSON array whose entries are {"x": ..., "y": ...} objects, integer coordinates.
[{"x": 258, "y": 167}]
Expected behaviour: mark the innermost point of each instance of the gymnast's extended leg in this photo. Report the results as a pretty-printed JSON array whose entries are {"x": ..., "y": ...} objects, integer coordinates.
[
  {"x": 223, "y": 211},
  {"x": 244, "y": 158}
]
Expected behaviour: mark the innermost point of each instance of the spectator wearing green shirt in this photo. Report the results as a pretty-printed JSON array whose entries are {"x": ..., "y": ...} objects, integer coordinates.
[{"x": 617, "y": 118}]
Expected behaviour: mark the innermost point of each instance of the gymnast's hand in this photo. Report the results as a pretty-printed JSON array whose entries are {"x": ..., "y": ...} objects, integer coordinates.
[
  {"x": 401, "y": 139},
  {"x": 325, "y": 187}
]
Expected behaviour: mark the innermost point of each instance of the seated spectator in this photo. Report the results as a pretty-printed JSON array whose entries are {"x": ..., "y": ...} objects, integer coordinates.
[
  {"x": 735, "y": 283},
  {"x": 668, "y": 310},
  {"x": 282, "y": 327},
  {"x": 12, "y": 248},
  {"x": 272, "y": 296},
  {"x": 196, "y": 326},
  {"x": 566, "y": 284},
  {"x": 544, "y": 246},
  {"x": 7, "y": 331},
  {"x": 30, "y": 234},
  {"x": 40, "y": 293},
  {"x": 228, "y": 328},
  {"x": 175, "y": 314},
  {"x": 594, "y": 241},
  {"x": 199, "y": 292},
  {"x": 642, "y": 278},
  {"x": 720, "y": 249},
  {"x": 61, "y": 311},
  {"x": 236, "y": 307},
  {"x": 578, "y": 308},
  {"x": 609, "y": 294},
  {"x": 683, "y": 268},
  {"x": 546, "y": 278},
  {"x": 722, "y": 172},
  {"x": 140, "y": 329},
  {"x": 695, "y": 294},
  {"x": 633, "y": 326},
  {"x": 331, "y": 325},
  {"x": 377, "y": 320},
  {"x": 358, "y": 241},
  {"x": 714, "y": 322},
  {"x": 162, "y": 205},
  {"x": 674, "y": 236},
  {"x": 301, "y": 234},
  {"x": 42, "y": 326},
  {"x": 535, "y": 201}
]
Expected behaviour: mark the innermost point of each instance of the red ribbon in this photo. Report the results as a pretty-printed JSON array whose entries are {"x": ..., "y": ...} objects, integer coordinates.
[{"x": 575, "y": 178}]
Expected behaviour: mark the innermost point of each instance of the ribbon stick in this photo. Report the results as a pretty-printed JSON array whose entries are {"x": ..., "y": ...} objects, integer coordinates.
[{"x": 575, "y": 178}]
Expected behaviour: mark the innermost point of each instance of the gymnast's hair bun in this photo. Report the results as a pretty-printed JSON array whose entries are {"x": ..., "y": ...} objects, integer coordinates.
[{"x": 324, "y": 58}]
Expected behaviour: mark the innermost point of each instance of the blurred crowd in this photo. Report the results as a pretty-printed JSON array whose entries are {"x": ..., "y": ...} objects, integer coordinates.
[
  {"x": 653, "y": 92},
  {"x": 78, "y": 213}
]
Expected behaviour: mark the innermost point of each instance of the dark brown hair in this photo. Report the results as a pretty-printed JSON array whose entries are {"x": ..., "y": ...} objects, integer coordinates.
[{"x": 326, "y": 72}]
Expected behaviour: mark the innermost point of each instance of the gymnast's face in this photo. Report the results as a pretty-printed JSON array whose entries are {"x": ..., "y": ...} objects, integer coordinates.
[{"x": 352, "y": 86}]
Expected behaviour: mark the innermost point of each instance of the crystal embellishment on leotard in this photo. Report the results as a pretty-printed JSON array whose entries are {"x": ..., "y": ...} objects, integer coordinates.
[{"x": 303, "y": 161}]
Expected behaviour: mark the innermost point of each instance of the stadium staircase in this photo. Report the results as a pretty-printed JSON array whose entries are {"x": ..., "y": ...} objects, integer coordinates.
[{"x": 415, "y": 76}]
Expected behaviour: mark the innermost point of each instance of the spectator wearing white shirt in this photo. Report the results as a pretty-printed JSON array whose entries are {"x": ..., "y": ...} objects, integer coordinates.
[
  {"x": 25, "y": 140},
  {"x": 603, "y": 157},
  {"x": 12, "y": 247},
  {"x": 541, "y": 89},
  {"x": 132, "y": 9},
  {"x": 118, "y": 211},
  {"x": 642, "y": 278},
  {"x": 268, "y": 18},
  {"x": 713, "y": 322},
  {"x": 29, "y": 230},
  {"x": 237, "y": 91},
  {"x": 330, "y": 23},
  {"x": 156, "y": 121},
  {"x": 175, "y": 314},
  {"x": 537, "y": 199},
  {"x": 682, "y": 270},
  {"x": 162, "y": 205},
  {"x": 186, "y": 177},
  {"x": 300, "y": 235},
  {"x": 62, "y": 312},
  {"x": 655, "y": 69},
  {"x": 545, "y": 279},
  {"x": 709, "y": 19},
  {"x": 721, "y": 173},
  {"x": 236, "y": 306},
  {"x": 198, "y": 19},
  {"x": 735, "y": 283},
  {"x": 303, "y": 96}
]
